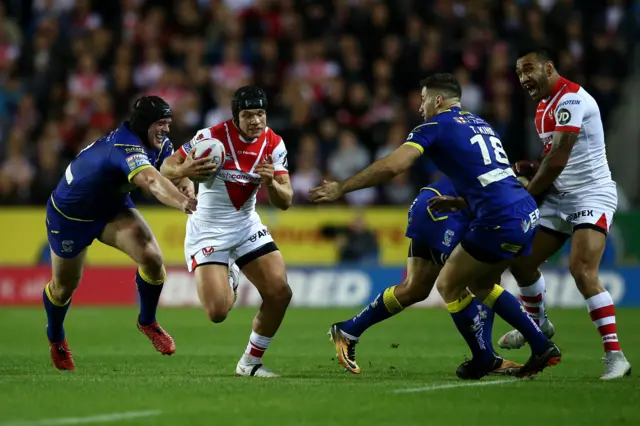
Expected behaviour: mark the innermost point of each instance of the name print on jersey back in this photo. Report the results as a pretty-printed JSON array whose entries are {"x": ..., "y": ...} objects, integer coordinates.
[
  {"x": 230, "y": 198},
  {"x": 469, "y": 151}
]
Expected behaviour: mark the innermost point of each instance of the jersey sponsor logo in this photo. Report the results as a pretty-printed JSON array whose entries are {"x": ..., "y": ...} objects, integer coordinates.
[
  {"x": 582, "y": 213},
  {"x": 137, "y": 160},
  {"x": 459, "y": 120},
  {"x": 134, "y": 149},
  {"x": 564, "y": 116},
  {"x": 569, "y": 102},
  {"x": 260, "y": 234},
  {"x": 236, "y": 176},
  {"x": 410, "y": 136},
  {"x": 247, "y": 152},
  {"x": 285, "y": 161}
]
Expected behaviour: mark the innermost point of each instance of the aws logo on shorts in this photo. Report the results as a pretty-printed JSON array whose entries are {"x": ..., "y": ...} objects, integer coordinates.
[{"x": 260, "y": 234}]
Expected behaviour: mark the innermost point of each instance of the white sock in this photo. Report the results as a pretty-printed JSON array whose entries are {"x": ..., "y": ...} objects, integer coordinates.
[
  {"x": 256, "y": 347},
  {"x": 603, "y": 315},
  {"x": 532, "y": 298}
]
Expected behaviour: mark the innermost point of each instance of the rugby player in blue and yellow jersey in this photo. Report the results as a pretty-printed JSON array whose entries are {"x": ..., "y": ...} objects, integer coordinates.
[
  {"x": 433, "y": 236},
  {"x": 92, "y": 202},
  {"x": 505, "y": 217}
]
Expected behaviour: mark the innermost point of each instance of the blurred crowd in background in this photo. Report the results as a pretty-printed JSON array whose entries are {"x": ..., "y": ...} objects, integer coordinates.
[{"x": 341, "y": 75}]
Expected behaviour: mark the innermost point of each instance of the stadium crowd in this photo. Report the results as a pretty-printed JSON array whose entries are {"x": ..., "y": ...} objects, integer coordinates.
[{"x": 342, "y": 75}]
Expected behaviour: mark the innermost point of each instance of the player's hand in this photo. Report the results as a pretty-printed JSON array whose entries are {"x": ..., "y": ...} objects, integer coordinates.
[
  {"x": 328, "y": 191},
  {"x": 266, "y": 170},
  {"x": 189, "y": 205},
  {"x": 185, "y": 186},
  {"x": 199, "y": 168},
  {"x": 446, "y": 203},
  {"x": 525, "y": 168}
]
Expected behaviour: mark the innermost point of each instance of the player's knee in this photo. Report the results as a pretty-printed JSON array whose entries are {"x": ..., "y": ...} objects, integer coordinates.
[
  {"x": 279, "y": 293},
  {"x": 217, "y": 310},
  {"x": 151, "y": 261},
  {"x": 525, "y": 274},
  {"x": 585, "y": 274},
  {"x": 62, "y": 289},
  {"x": 216, "y": 314}
]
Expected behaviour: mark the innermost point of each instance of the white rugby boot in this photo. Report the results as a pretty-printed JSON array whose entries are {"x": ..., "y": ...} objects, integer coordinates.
[
  {"x": 244, "y": 368},
  {"x": 515, "y": 340},
  {"x": 616, "y": 366}
]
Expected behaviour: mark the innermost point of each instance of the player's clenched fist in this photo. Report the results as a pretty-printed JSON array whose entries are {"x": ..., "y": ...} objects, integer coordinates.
[
  {"x": 266, "y": 170},
  {"x": 328, "y": 191},
  {"x": 198, "y": 167},
  {"x": 189, "y": 205},
  {"x": 526, "y": 168}
]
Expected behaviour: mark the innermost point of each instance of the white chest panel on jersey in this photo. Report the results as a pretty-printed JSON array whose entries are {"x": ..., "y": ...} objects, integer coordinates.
[{"x": 573, "y": 109}]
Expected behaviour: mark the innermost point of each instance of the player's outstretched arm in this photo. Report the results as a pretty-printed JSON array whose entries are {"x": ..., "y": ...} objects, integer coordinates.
[
  {"x": 160, "y": 187},
  {"x": 381, "y": 171},
  {"x": 554, "y": 162},
  {"x": 179, "y": 165}
]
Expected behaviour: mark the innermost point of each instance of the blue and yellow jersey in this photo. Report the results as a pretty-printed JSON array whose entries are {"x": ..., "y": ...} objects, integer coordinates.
[
  {"x": 96, "y": 183},
  {"x": 467, "y": 149}
]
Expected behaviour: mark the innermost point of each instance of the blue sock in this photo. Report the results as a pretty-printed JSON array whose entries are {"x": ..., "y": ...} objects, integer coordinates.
[
  {"x": 149, "y": 291},
  {"x": 470, "y": 321},
  {"x": 55, "y": 315},
  {"x": 373, "y": 313},
  {"x": 487, "y": 315},
  {"x": 509, "y": 309}
]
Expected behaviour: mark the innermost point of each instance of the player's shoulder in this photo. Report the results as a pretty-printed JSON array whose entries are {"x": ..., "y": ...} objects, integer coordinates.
[{"x": 273, "y": 138}]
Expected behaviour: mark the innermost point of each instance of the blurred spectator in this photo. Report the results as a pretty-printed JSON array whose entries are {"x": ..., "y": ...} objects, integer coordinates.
[{"x": 344, "y": 71}]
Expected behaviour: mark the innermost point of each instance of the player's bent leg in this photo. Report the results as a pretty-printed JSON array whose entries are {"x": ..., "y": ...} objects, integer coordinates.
[
  {"x": 587, "y": 247},
  {"x": 130, "y": 233},
  {"x": 265, "y": 268},
  {"x": 216, "y": 297},
  {"x": 477, "y": 266},
  {"x": 532, "y": 286},
  {"x": 421, "y": 276},
  {"x": 66, "y": 275}
]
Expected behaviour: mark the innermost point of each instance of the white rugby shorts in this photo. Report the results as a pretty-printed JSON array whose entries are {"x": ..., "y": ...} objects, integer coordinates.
[
  {"x": 591, "y": 205},
  {"x": 207, "y": 244}
]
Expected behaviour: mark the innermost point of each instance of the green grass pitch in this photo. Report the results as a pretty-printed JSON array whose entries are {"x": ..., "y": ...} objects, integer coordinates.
[{"x": 119, "y": 374}]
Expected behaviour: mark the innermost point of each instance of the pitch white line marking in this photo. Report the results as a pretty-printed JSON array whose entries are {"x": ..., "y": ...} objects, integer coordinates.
[
  {"x": 100, "y": 418},
  {"x": 454, "y": 385}
]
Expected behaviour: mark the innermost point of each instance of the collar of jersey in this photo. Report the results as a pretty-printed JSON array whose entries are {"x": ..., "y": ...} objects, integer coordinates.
[{"x": 559, "y": 85}]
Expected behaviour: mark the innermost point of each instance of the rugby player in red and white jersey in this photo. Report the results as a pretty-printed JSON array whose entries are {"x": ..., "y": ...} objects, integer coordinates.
[
  {"x": 578, "y": 200},
  {"x": 227, "y": 227}
]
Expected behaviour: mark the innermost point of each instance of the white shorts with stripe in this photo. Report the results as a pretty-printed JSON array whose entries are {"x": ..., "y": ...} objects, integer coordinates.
[
  {"x": 205, "y": 243},
  {"x": 591, "y": 205}
]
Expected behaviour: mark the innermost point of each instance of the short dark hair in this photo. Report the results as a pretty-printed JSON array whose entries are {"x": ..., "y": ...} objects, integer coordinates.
[
  {"x": 543, "y": 53},
  {"x": 445, "y": 83}
]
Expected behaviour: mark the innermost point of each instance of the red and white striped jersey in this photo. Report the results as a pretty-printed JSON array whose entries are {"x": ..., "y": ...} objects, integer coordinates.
[
  {"x": 570, "y": 108},
  {"x": 229, "y": 201}
]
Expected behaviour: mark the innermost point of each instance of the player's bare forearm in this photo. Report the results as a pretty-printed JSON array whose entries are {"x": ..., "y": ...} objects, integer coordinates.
[
  {"x": 553, "y": 163},
  {"x": 280, "y": 192},
  {"x": 172, "y": 168},
  {"x": 382, "y": 170},
  {"x": 160, "y": 187}
]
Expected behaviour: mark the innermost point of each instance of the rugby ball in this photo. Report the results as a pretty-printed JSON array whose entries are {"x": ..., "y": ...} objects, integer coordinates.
[{"x": 212, "y": 149}]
